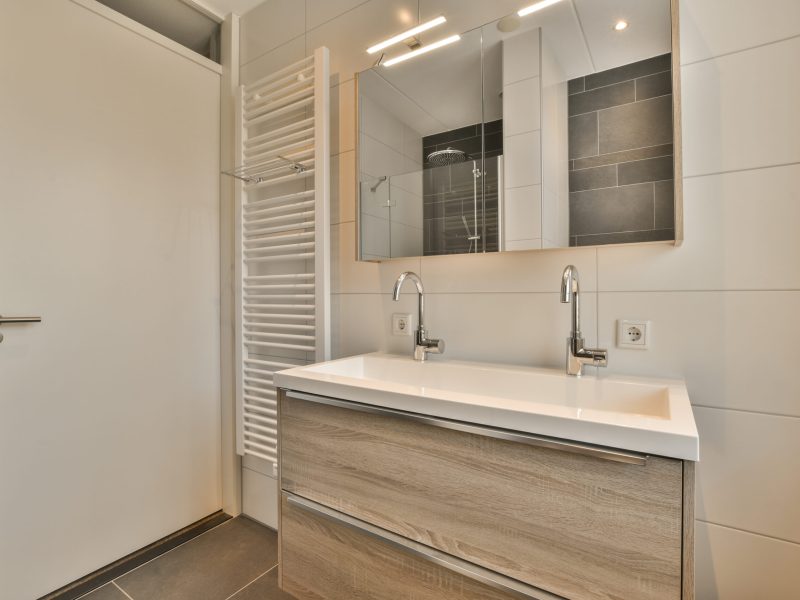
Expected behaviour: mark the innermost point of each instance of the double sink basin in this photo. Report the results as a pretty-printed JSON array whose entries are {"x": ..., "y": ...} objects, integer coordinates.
[{"x": 649, "y": 416}]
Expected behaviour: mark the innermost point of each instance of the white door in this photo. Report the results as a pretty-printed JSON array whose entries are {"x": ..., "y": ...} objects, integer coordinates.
[{"x": 109, "y": 408}]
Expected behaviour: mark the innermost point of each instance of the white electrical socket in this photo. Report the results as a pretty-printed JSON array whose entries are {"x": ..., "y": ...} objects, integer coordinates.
[
  {"x": 401, "y": 324},
  {"x": 633, "y": 334}
]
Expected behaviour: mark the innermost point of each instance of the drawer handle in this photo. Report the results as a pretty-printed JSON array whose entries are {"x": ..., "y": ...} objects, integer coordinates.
[
  {"x": 451, "y": 563},
  {"x": 530, "y": 439}
]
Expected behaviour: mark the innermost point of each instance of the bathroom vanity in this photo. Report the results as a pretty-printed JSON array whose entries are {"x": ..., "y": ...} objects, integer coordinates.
[{"x": 439, "y": 480}]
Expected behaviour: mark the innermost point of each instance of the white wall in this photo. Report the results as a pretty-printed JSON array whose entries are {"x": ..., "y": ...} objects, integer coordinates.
[
  {"x": 109, "y": 221},
  {"x": 724, "y": 305},
  {"x": 522, "y": 142}
]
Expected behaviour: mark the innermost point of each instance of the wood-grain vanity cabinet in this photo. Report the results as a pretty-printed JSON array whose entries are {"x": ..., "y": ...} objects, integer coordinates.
[{"x": 378, "y": 503}]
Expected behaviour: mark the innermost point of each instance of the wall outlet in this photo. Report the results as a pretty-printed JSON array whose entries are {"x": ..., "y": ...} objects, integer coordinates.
[
  {"x": 401, "y": 324},
  {"x": 633, "y": 334}
]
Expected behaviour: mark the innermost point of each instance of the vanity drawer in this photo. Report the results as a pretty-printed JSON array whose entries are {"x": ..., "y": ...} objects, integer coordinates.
[
  {"x": 581, "y": 526},
  {"x": 325, "y": 555}
]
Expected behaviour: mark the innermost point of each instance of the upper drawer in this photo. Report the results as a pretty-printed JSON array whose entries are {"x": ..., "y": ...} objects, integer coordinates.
[{"x": 575, "y": 525}]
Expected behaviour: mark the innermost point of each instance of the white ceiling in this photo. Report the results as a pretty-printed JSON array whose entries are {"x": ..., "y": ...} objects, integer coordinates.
[{"x": 445, "y": 85}]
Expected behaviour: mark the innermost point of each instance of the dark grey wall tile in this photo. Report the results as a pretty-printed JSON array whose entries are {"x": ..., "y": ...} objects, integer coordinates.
[
  {"x": 592, "y": 179},
  {"x": 448, "y": 136},
  {"x": 575, "y": 86},
  {"x": 609, "y": 210},
  {"x": 627, "y": 237},
  {"x": 624, "y": 156},
  {"x": 647, "y": 123},
  {"x": 583, "y": 136},
  {"x": 665, "y": 205},
  {"x": 631, "y": 71},
  {"x": 493, "y": 127},
  {"x": 649, "y": 169},
  {"x": 654, "y": 85},
  {"x": 604, "y": 97}
]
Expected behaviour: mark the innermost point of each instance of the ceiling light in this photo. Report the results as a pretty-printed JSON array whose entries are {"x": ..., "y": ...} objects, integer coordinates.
[
  {"x": 536, "y": 7},
  {"x": 423, "y": 50},
  {"x": 406, "y": 34},
  {"x": 620, "y": 26}
]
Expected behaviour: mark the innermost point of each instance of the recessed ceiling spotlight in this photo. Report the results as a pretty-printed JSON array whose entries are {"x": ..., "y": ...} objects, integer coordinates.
[
  {"x": 620, "y": 25},
  {"x": 405, "y": 35},
  {"x": 422, "y": 50},
  {"x": 536, "y": 7}
]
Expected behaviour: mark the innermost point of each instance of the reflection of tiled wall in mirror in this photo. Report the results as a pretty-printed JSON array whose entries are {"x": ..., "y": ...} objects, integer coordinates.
[
  {"x": 450, "y": 191},
  {"x": 391, "y": 209},
  {"x": 620, "y": 154}
]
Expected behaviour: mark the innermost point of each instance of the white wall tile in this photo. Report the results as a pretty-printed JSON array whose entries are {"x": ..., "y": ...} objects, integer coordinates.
[
  {"x": 764, "y": 452},
  {"x": 349, "y": 276},
  {"x": 713, "y": 27},
  {"x": 349, "y": 35},
  {"x": 343, "y": 117},
  {"x": 531, "y": 244},
  {"x": 343, "y": 187},
  {"x": 508, "y": 272},
  {"x": 274, "y": 60},
  {"x": 381, "y": 125},
  {"x": 521, "y": 106},
  {"x": 735, "y": 565},
  {"x": 375, "y": 234},
  {"x": 522, "y": 213},
  {"x": 322, "y": 11},
  {"x": 356, "y": 324},
  {"x": 523, "y": 159},
  {"x": 740, "y": 111},
  {"x": 524, "y": 329},
  {"x": 734, "y": 349},
  {"x": 740, "y": 234},
  {"x": 269, "y": 25},
  {"x": 521, "y": 57},
  {"x": 259, "y": 494}
]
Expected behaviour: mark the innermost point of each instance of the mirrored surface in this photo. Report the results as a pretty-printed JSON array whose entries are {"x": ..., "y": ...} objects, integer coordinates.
[{"x": 550, "y": 130}]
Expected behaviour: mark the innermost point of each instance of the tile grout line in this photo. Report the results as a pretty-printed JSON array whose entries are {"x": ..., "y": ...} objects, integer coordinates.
[
  {"x": 116, "y": 585},
  {"x": 747, "y": 412},
  {"x": 272, "y": 568},
  {"x": 740, "y": 51},
  {"x": 739, "y": 529},
  {"x": 743, "y": 170}
]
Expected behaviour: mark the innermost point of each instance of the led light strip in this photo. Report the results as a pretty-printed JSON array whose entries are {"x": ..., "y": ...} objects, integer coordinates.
[
  {"x": 536, "y": 7},
  {"x": 423, "y": 50},
  {"x": 406, "y": 34}
]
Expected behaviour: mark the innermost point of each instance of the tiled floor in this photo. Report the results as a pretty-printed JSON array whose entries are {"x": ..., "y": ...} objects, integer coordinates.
[{"x": 234, "y": 561}]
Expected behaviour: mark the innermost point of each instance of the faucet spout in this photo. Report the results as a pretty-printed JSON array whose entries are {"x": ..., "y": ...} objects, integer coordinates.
[
  {"x": 422, "y": 344},
  {"x": 577, "y": 354}
]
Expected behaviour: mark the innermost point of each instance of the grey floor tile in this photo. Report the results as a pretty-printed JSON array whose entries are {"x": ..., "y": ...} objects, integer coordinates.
[
  {"x": 210, "y": 567},
  {"x": 107, "y": 592},
  {"x": 265, "y": 588}
]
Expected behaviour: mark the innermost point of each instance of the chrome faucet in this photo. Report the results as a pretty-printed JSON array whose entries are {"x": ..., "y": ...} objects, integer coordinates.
[
  {"x": 422, "y": 345},
  {"x": 577, "y": 354}
]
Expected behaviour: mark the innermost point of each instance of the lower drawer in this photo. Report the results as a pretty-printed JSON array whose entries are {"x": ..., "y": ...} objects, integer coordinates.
[{"x": 328, "y": 555}]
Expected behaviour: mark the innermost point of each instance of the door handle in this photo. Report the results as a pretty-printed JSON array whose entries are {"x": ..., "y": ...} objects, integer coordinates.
[
  {"x": 10, "y": 320},
  {"x": 20, "y": 319}
]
